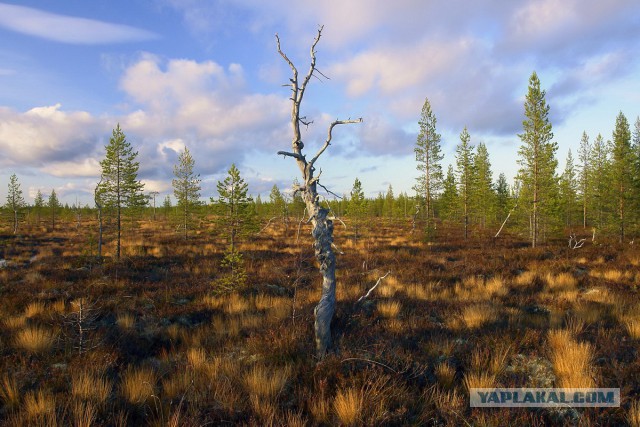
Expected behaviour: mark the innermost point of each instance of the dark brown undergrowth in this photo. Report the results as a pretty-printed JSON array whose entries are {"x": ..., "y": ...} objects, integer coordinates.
[{"x": 148, "y": 340}]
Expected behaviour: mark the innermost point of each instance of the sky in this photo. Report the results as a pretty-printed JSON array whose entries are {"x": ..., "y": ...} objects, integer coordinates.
[{"x": 206, "y": 74}]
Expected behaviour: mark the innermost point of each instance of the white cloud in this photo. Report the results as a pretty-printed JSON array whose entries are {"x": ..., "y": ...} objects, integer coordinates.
[
  {"x": 88, "y": 167},
  {"x": 47, "y": 134},
  {"x": 67, "y": 29}
]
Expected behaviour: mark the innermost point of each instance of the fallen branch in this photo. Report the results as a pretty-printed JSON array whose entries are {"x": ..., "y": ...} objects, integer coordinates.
[
  {"x": 505, "y": 221},
  {"x": 365, "y": 296},
  {"x": 574, "y": 243},
  {"x": 266, "y": 226}
]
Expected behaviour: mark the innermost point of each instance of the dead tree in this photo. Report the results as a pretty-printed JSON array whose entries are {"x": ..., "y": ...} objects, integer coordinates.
[{"x": 322, "y": 224}]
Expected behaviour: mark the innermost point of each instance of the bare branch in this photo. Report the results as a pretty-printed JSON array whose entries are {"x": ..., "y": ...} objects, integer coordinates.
[
  {"x": 312, "y": 66},
  {"x": 294, "y": 155},
  {"x": 337, "y": 249},
  {"x": 574, "y": 243},
  {"x": 327, "y": 142},
  {"x": 266, "y": 226},
  {"x": 505, "y": 221},
  {"x": 365, "y": 296},
  {"x": 329, "y": 191},
  {"x": 294, "y": 81},
  {"x": 322, "y": 74}
]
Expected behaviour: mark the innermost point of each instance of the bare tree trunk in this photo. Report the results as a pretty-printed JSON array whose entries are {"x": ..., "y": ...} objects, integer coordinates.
[{"x": 322, "y": 225}]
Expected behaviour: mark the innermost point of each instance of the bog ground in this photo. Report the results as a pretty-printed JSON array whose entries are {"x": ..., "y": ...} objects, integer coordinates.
[{"x": 150, "y": 341}]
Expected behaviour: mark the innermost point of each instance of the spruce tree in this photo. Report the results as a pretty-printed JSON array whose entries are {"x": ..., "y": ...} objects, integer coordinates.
[
  {"x": 502, "y": 196},
  {"x": 186, "y": 187},
  {"x": 53, "y": 204},
  {"x": 120, "y": 187},
  {"x": 278, "y": 204},
  {"x": 428, "y": 156},
  {"x": 166, "y": 206},
  {"x": 464, "y": 169},
  {"x": 537, "y": 159},
  {"x": 15, "y": 200},
  {"x": 388, "y": 207},
  {"x": 621, "y": 171},
  {"x": 584, "y": 157}
]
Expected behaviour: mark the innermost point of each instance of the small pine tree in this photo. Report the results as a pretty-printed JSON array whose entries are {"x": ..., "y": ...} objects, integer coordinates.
[
  {"x": 53, "y": 204},
  {"x": 483, "y": 197},
  {"x": 357, "y": 207},
  {"x": 120, "y": 187},
  {"x": 166, "y": 206},
  {"x": 569, "y": 191},
  {"x": 600, "y": 180},
  {"x": 584, "y": 157},
  {"x": 186, "y": 187},
  {"x": 449, "y": 199},
  {"x": 15, "y": 200},
  {"x": 237, "y": 216},
  {"x": 38, "y": 204}
]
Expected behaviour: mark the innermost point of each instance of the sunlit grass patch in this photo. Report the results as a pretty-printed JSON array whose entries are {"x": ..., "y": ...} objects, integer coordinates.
[
  {"x": 389, "y": 309},
  {"x": 88, "y": 385},
  {"x": 35, "y": 339},
  {"x": 633, "y": 414},
  {"x": 445, "y": 374},
  {"x": 39, "y": 404},
  {"x": 34, "y": 308},
  {"x": 138, "y": 384},
  {"x": 526, "y": 278},
  {"x": 84, "y": 414},
  {"x": 477, "y": 315},
  {"x": 15, "y": 322},
  {"x": 266, "y": 382},
  {"x": 348, "y": 405},
  {"x": 479, "y": 380},
  {"x": 560, "y": 282},
  {"x": 125, "y": 321},
  {"x": 572, "y": 361},
  {"x": 9, "y": 392},
  {"x": 632, "y": 326}
]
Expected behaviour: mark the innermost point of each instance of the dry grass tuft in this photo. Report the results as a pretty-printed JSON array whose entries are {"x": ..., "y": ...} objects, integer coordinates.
[
  {"x": 445, "y": 373},
  {"x": 475, "y": 316},
  {"x": 40, "y": 404},
  {"x": 348, "y": 405},
  {"x": 235, "y": 304},
  {"x": 9, "y": 392},
  {"x": 125, "y": 321},
  {"x": 266, "y": 382},
  {"x": 633, "y": 327},
  {"x": 197, "y": 358},
  {"x": 34, "y": 309},
  {"x": 633, "y": 414},
  {"x": 15, "y": 322},
  {"x": 479, "y": 380},
  {"x": 84, "y": 414},
  {"x": 138, "y": 384},
  {"x": 35, "y": 339},
  {"x": 572, "y": 361},
  {"x": 86, "y": 385},
  {"x": 389, "y": 309}
]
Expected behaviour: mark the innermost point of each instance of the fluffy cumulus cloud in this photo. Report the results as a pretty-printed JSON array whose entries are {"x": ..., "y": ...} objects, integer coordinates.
[
  {"x": 203, "y": 106},
  {"x": 51, "y": 138}
]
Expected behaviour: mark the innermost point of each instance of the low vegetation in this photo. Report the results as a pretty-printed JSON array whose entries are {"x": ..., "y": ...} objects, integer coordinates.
[{"x": 157, "y": 344}]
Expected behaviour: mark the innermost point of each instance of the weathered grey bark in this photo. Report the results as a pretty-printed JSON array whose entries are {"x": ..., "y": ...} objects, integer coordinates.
[{"x": 322, "y": 225}]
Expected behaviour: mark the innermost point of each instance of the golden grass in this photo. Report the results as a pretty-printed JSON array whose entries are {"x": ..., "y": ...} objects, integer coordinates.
[
  {"x": 39, "y": 404},
  {"x": 389, "y": 309},
  {"x": 87, "y": 385},
  {"x": 197, "y": 358},
  {"x": 15, "y": 322},
  {"x": 125, "y": 321},
  {"x": 479, "y": 380},
  {"x": 478, "y": 315},
  {"x": 34, "y": 308},
  {"x": 235, "y": 304},
  {"x": 633, "y": 414},
  {"x": 633, "y": 327},
  {"x": 266, "y": 382},
  {"x": 525, "y": 279},
  {"x": 138, "y": 384},
  {"x": 84, "y": 414},
  {"x": 572, "y": 361},
  {"x": 35, "y": 339},
  {"x": 445, "y": 375},
  {"x": 589, "y": 312},
  {"x": 9, "y": 392},
  {"x": 560, "y": 282},
  {"x": 59, "y": 306},
  {"x": 348, "y": 405},
  {"x": 320, "y": 409}
]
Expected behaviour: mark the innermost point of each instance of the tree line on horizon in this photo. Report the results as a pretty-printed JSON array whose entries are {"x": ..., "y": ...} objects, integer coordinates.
[{"x": 597, "y": 192}]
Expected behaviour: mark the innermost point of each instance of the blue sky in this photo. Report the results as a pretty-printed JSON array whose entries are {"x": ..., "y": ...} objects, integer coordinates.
[{"x": 206, "y": 74}]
